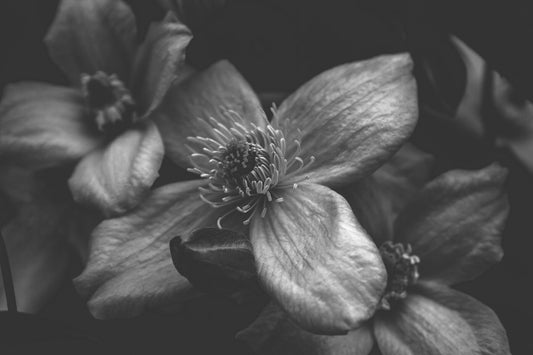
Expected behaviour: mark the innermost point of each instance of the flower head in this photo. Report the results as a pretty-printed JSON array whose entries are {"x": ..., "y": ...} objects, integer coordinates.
[
  {"x": 103, "y": 121},
  {"x": 270, "y": 180},
  {"x": 448, "y": 232}
]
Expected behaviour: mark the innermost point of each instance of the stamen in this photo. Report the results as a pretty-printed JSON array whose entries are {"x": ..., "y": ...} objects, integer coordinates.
[
  {"x": 109, "y": 101},
  {"x": 402, "y": 270},
  {"x": 246, "y": 164}
]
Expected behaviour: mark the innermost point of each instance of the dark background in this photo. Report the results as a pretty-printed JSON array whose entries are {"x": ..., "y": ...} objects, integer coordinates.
[{"x": 278, "y": 45}]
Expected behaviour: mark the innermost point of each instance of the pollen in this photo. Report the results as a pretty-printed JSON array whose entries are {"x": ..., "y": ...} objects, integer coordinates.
[
  {"x": 109, "y": 101},
  {"x": 247, "y": 166},
  {"x": 402, "y": 271}
]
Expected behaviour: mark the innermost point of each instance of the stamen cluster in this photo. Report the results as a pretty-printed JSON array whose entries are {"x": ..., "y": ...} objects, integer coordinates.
[
  {"x": 402, "y": 271},
  {"x": 247, "y": 166},
  {"x": 109, "y": 101}
]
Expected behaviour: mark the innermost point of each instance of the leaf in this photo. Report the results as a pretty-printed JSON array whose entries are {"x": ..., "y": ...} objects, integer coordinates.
[{"x": 218, "y": 261}]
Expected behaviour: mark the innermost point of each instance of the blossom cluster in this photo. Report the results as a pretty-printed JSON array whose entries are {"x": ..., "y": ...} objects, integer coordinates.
[{"x": 342, "y": 222}]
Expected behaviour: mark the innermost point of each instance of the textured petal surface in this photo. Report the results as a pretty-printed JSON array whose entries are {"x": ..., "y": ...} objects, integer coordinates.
[
  {"x": 187, "y": 107},
  {"x": 378, "y": 199},
  {"x": 130, "y": 267},
  {"x": 117, "y": 177},
  {"x": 43, "y": 125},
  {"x": 315, "y": 259},
  {"x": 91, "y": 35},
  {"x": 352, "y": 117},
  {"x": 436, "y": 320},
  {"x": 158, "y": 62},
  {"x": 455, "y": 224}
]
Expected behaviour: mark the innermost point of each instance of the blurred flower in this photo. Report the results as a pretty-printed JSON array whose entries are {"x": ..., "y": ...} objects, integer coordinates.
[
  {"x": 449, "y": 232},
  {"x": 276, "y": 177},
  {"x": 44, "y": 229},
  {"x": 104, "y": 119}
]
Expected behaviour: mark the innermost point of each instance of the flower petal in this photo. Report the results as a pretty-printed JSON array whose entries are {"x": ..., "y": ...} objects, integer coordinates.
[
  {"x": 117, "y": 177},
  {"x": 43, "y": 125},
  {"x": 130, "y": 266},
  {"x": 36, "y": 241},
  {"x": 378, "y": 199},
  {"x": 87, "y": 36},
  {"x": 438, "y": 320},
  {"x": 274, "y": 333},
  {"x": 188, "y": 106},
  {"x": 455, "y": 224},
  {"x": 316, "y": 260},
  {"x": 352, "y": 117},
  {"x": 159, "y": 61}
]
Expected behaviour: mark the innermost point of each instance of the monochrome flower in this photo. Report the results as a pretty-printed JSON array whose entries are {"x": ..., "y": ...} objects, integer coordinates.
[
  {"x": 273, "y": 177},
  {"x": 104, "y": 120}
]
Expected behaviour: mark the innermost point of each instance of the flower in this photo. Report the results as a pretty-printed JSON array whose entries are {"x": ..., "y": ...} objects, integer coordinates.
[
  {"x": 104, "y": 119},
  {"x": 273, "y": 177},
  {"x": 449, "y": 232}
]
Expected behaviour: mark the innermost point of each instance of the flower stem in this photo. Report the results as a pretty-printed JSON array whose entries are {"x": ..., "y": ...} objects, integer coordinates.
[{"x": 9, "y": 289}]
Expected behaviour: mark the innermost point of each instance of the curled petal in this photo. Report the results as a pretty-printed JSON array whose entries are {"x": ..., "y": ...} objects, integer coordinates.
[
  {"x": 43, "y": 125},
  {"x": 273, "y": 333},
  {"x": 130, "y": 267},
  {"x": 117, "y": 177},
  {"x": 435, "y": 319},
  {"x": 159, "y": 61},
  {"x": 219, "y": 92},
  {"x": 455, "y": 224},
  {"x": 378, "y": 199},
  {"x": 316, "y": 260},
  {"x": 91, "y": 35},
  {"x": 352, "y": 117}
]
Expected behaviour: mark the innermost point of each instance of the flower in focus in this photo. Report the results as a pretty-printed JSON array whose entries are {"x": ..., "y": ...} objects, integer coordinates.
[
  {"x": 449, "y": 232},
  {"x": 270, "y": 180},
  {"x": 104, "y": 119}
]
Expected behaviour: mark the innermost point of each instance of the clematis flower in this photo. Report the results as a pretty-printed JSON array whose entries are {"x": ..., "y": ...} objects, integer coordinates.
[
  {"x": 104, "y": 120},
  {"x": 450, "y": 232},
  {"x": 273, "y": 182}
]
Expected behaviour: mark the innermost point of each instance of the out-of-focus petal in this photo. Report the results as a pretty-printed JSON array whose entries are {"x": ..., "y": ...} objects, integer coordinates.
[
  {"x": 455, "y": 224},
  {"x": 36, "y": 242},
  {"x": 316, "y": 260},
  {"x": 273, "y": 333},
  {"x": 91, "y": 35},
  {"x": 435, "y": 319},
  {"x": 215, "y": 92},
  {"x": 352, "y": 117},
  {"x": 159, "y": 61},
  {"x": 117, "y": 177},
  {"x": 44, "y": 125},
  {"x": 130, "y": 267},
  {"x": 378, "y": 199}
]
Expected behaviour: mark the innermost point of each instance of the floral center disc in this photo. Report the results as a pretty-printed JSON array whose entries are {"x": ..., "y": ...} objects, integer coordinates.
[{"x": 109, "y": 101}]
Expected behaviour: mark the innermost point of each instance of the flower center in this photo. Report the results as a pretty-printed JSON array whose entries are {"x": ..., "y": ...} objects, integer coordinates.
[
  {"x": 247, "y": 166},
  {"x": 109, "y": 101},
  {"x": 402, "y": 271}
]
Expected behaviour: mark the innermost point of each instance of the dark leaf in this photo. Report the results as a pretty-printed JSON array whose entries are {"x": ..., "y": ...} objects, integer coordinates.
[{"x": 217, "y": 261}]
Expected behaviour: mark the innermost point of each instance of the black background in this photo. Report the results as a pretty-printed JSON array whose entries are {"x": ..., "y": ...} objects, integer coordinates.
[{"x": 277, "y": 45}]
